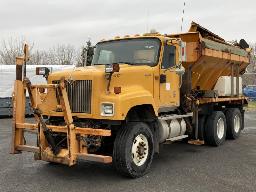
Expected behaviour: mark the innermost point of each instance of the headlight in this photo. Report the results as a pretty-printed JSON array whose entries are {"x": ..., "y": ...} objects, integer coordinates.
[
  {"x": 107, "y": 109},
  {"x": 43, "y": 71}
]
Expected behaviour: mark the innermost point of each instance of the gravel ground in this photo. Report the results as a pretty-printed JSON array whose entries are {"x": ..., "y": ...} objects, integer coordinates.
[{"x": 179, "y": 167}]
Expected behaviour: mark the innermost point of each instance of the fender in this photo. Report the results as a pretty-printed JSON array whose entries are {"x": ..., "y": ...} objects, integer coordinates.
[{"x": 129, "y": 99}]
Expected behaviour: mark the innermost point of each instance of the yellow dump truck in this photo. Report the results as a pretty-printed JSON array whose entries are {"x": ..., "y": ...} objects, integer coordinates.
[{"x": 140, "y": 91}]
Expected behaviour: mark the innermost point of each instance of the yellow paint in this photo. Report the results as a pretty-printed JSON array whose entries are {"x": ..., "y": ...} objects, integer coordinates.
[{"x": 140, "y": 85}]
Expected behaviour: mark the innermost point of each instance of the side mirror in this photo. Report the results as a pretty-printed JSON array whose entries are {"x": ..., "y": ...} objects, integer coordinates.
[
  {"x": 182, "y": 48},
  {"x": 179, "y": 69},
  {"x": 111, "y": 68}
]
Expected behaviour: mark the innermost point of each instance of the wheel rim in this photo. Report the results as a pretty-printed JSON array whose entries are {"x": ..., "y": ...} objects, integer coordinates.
[
  {"x": 220, "y": 128},
  {"x": 140, "y": 150},
  {"x": 237, "y": 124}
]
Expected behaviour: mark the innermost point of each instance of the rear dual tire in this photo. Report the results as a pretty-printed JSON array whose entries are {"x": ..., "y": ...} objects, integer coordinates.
[
  {"x": 220, "y": 126},
  {"x": 234, "y": 123},
  {"x": 215, "y": 130}
]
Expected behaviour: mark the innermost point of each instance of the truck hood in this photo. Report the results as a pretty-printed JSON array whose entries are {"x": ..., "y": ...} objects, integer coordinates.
[
  {"x": 98, "y": 72},
  {"x": 135, "y": 82}
]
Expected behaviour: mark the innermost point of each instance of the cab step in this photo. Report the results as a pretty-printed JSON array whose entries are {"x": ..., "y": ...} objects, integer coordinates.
[
  {"x": 177, "y": 138},
  {"x": 196, "y": 142}
]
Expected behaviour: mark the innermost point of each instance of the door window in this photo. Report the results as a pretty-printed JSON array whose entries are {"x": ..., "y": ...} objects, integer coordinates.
[{"x": 169, "y": 58}]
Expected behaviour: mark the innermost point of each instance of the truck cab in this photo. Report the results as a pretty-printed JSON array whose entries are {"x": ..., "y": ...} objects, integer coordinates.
[{"x": 147, "y": 75}]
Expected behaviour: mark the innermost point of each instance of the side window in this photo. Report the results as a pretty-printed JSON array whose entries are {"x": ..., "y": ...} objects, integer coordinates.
[{"x": 169, "y": 58}]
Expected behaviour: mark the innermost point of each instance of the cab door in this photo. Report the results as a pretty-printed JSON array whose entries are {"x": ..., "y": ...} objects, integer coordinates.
[{"x": 169, "y": 79}]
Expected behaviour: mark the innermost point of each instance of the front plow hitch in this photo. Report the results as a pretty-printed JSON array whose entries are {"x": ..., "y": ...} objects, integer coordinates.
[{"x": 38, "y": 115}]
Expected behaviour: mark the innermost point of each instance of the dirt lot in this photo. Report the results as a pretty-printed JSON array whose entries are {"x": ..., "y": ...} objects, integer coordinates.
[{"x": 179, "y": 167}]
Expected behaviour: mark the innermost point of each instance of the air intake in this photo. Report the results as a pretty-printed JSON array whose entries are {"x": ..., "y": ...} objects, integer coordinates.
[{"x": 80, "y": 95}]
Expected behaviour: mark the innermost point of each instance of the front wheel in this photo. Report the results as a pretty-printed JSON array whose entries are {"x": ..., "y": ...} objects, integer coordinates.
[{"x": 133, "y": 149}]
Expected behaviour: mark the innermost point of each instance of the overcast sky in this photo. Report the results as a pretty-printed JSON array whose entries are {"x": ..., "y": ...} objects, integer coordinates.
[{"x": 51, "y": 22}]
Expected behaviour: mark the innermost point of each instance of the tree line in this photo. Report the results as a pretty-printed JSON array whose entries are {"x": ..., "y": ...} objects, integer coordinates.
[
  {"x": 61, "y": 54},
  {"x": 64, "y": 54}
]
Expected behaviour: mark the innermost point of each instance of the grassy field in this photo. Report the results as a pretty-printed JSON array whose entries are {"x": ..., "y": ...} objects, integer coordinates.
[{"x": 252, "y": 105}]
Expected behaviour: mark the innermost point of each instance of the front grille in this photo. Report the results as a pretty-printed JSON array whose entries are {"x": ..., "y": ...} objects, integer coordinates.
[{"x": 80, "y": 95}]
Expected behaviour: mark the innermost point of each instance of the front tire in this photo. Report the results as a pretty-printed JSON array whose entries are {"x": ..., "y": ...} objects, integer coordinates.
[
  {"x": 215, "y": 132},
  {"x": 133, "y": 149},
  {"x": 234, "y": 123}
]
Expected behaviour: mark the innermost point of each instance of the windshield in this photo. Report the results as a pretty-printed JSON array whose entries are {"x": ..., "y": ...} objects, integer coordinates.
[{"x": 130, "y": 51}]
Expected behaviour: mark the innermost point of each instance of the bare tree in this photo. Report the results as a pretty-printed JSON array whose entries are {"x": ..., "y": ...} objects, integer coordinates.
[
  {"x": 11, "y": 48},
  {"x": 63, "y": 54},
  {"x": 36, "y": 58},
  {"x": 43, "y": 58},
  {"x": 60, "y": 55}
]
